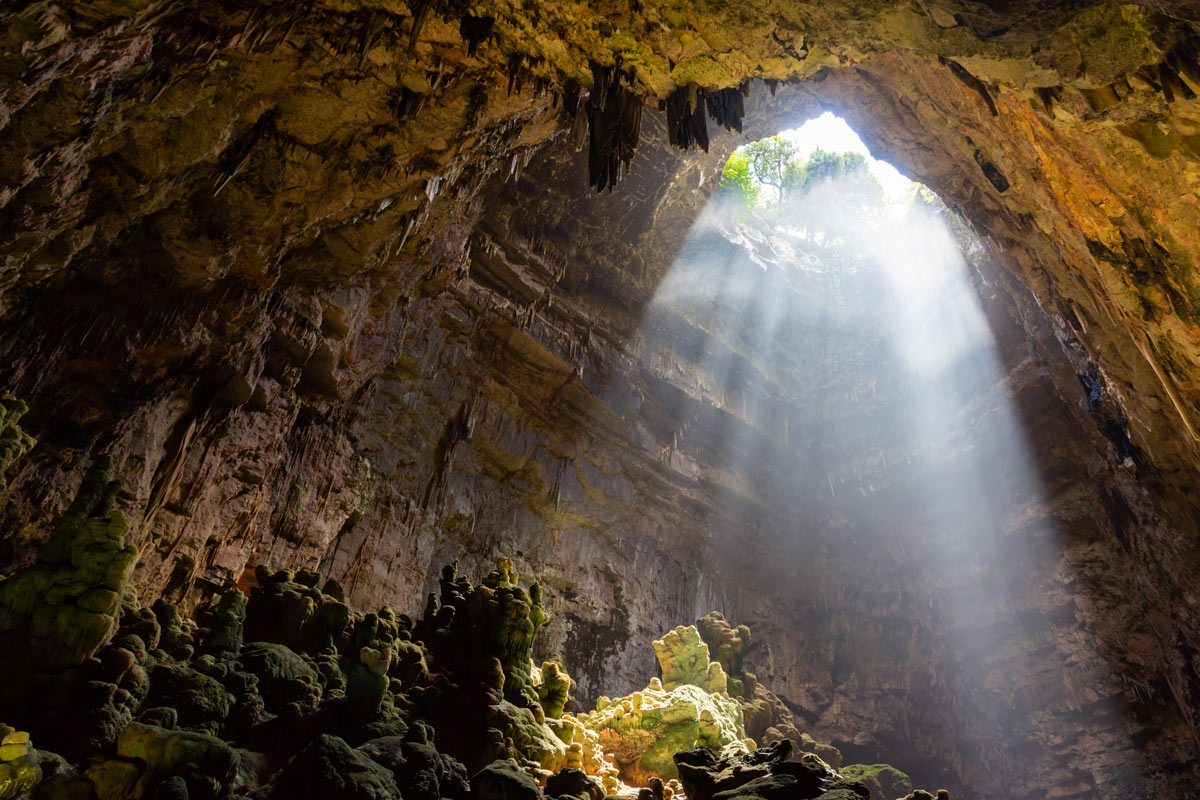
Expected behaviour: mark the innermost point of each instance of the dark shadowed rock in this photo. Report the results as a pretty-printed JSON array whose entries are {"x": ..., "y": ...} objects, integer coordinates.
[
  {"x": 504, "y": 780},
  {"x": 330, "y": 768}
]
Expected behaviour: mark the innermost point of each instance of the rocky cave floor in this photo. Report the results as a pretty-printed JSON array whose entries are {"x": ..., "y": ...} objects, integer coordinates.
[{"x": 278, "y": 689}]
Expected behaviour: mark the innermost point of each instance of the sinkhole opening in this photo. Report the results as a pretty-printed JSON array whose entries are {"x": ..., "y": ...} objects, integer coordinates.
[{"x": 842, "y": 373}]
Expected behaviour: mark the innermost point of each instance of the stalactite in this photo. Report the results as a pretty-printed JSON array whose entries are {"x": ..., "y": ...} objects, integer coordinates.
[
  {"x": 971, "y": 82},
  {"x": 1184, "y": 58},
  {"x": 477, "y": 100},
  {"x": 459, "y": 428},
  {"x": 474, "y": 30},
  {"x": 728, "y": 106},
  {"x": 235, "y": 158},
  {"x": 420, "y": 12},
  {"x": 1172, "y": 85},
  {"x": 686, "y": 124},
  {"x": 570, "y": 99},
  {"x": 370, "y": 35},
  {"x": 789, "y": 48},
  {"x": 990, "y": 170},
  {"x": 614, "y": 121},
  {"x": 515, "y": 63},
  {"x": 1049, "y": 95},
  {"x": 404, "y": 102}
]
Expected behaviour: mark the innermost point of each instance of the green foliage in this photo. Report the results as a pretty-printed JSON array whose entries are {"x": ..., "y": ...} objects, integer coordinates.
[
  {"x": 769, "y": 161},
  {"x": 832, "y": 197},
  {"x": 737, "y": 180},
  {"x": 848, "y": 170},
  {"x": 827, "y": 190}
]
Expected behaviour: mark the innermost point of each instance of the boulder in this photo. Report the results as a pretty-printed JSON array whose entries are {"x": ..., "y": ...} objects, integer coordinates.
[
  {"x": 329, "y": 768},
  {"x": 504, "y": 780}
]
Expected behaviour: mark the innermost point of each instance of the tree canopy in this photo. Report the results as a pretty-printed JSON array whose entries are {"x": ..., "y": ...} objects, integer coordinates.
[
  {"x": 801, "y": 177},
  {"x": 737, "y": 179},
  {"x": 826, "y": 195},
  {"x": 770, "y": 160},
  {"x": 776, "y": 162}
]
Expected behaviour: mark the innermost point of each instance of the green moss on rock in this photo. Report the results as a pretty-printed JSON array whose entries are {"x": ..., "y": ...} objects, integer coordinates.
[
  {"x": 60, "y": 611},
  {"x": 14, "y": 442},
  {"x": 885, "y": 781},
  {"x": 19, "y": 768},
  {"x": 287, "y": 682},
  {"x": 225, "y": 636},
  {"x": 553, "y": 688},
  {"x": 328, "y": 768},
  {"x": 684, "y": 659},
  {"x": 207, "y": 765}
]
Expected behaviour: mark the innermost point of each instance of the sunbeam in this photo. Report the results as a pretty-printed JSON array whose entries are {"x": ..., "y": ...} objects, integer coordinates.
[{"x": 851, "y": 385}]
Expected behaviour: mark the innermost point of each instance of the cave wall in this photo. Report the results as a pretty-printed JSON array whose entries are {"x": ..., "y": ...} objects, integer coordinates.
[{"x": 337, "y": 295}]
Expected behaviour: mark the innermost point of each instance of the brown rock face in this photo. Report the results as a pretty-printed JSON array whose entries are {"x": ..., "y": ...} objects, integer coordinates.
[{"x": 331, "y": 287}]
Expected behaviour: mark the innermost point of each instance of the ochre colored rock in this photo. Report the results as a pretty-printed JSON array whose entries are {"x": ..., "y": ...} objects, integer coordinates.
[{"x": 19, "y": 767}]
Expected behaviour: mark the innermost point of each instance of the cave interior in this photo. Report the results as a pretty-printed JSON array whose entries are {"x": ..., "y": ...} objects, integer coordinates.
[{"x": 396, "y": 404}]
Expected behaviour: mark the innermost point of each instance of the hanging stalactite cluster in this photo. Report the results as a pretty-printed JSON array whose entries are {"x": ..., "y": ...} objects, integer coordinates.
[
  {"x": 686, "y": 126},
  {"x": 727, "y": 107},
  {"x": 614, "y": 113},
  {"x": 686, "y": 107}
]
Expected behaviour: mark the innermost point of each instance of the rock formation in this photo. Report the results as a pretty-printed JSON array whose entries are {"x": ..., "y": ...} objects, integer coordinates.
[
  {"x": 56, "y": 614},
  {"x": 346, "y": 710},
  {"x": 688, "y": 708}
]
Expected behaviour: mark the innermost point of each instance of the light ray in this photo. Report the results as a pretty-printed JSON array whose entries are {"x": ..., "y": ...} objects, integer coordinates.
[{"x": 850, "y": 384}]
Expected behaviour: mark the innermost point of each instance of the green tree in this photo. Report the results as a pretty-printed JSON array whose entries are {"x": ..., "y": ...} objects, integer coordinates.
[
  {"x": 769, "y": 160},
  {"x": 848, "y": 170},
  {"x": 832, "y": 195},
  {"x": 737, "y": 180}
]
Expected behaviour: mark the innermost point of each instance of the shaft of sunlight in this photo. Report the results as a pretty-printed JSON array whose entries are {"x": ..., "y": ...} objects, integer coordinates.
[{"x": 841, "y": 379}]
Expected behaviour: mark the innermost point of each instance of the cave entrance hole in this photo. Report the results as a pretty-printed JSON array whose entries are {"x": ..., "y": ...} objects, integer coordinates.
[{"x": 843, "y": 391}]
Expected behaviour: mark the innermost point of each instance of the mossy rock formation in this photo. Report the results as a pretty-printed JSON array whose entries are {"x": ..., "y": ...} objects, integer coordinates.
[{"x": 58, "y": 613}]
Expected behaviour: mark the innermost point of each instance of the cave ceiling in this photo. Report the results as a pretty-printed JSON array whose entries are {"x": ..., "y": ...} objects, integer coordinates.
[
  {"x": 358, "y": 286},
  {"x": 257, "y": 148}
]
